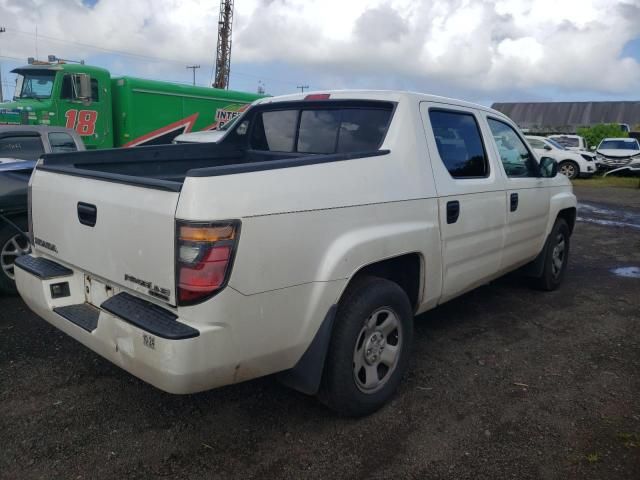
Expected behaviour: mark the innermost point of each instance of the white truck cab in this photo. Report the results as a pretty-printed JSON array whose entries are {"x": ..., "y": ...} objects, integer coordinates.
[{"x": 304, "y": 242}]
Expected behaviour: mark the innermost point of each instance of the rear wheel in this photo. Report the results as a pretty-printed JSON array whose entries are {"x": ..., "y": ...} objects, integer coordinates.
[
  {"x": 569, "y": 168},
  {"x": 556, "y": 257},
  {"x": 369, "y": 349},
  {"x": 12, "y": 245}
]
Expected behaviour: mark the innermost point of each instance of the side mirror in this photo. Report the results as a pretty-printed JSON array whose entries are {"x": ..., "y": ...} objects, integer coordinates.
[
  {"x": 548, "y": 167},
  {"x": 82, "y": 86},
  {"x": 547, "y": 147},
  {"x": 592, "y": 148}
]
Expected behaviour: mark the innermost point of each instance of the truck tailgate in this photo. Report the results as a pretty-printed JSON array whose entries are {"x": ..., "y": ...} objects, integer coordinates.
[{"x": 132, "y": 241}]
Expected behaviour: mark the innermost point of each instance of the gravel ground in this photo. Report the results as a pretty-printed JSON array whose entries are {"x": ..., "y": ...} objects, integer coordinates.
[{"x": 506, "y": 382}]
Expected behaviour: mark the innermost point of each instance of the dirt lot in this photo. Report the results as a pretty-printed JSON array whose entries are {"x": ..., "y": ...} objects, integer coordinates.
[{"x": 507, "y": 383}]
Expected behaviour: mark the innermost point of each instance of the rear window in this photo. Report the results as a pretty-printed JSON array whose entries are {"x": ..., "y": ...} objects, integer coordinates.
[
  {"x": 321, "y": 130},
  {"x": 24, "y": 148},
  {"x": 567, "y": 141},
  {"x": 61, "y": 142}
]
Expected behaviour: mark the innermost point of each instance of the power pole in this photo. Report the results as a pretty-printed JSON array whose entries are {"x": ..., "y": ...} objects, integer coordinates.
[
  {"x": 2, "y": 30},
  {"x": 303, "y": 88},
  {"x": 193, "y": 67},
  {"x": 223, "y": 51}
]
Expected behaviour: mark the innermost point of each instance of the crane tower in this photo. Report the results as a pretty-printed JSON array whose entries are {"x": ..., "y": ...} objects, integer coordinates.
[{"x": 223, "y": 53}]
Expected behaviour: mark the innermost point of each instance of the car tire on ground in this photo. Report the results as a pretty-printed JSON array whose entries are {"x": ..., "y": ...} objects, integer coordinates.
[
  {"x": 569, "y": 168},
  {"x": 12, "y": 245},
  {"x": 369, "y": 349},
  {"x": 556, "y": 257}
]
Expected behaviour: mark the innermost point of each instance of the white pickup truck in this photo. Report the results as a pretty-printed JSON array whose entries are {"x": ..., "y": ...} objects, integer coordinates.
[{"x": 303, "y": 242}]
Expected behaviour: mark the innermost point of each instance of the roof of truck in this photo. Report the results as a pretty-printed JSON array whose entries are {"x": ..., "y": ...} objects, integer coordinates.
[{"x": 391, "y": 95}]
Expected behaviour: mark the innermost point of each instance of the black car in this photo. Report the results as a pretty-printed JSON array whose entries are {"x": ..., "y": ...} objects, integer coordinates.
[{"x": 20, "y": 147}]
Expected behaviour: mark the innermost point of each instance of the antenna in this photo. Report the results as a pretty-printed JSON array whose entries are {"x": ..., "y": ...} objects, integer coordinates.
[{"x": 223, "y": 52}]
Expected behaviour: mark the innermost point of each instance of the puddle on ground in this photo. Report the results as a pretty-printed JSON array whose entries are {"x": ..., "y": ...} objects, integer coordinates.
[
  {"x": 608, "y": 216},
  {"x": 628, "y": 272}
]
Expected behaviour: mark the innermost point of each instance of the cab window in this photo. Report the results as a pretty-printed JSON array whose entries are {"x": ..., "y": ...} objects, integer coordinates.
[
  {"x": 66, "y": 93},
  {"x": 516, "y": 158}
]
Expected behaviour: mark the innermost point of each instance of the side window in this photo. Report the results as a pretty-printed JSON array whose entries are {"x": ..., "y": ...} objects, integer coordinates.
[
  {"x": 275, "y": 131},
  {"x": 66, "y": 92},
  {"x": 95, "y": 91},
  {"x": 24, "y": 148},
  {"x": 516, "y": 158},
  {"x": 535, "y": 143},
  {"x": 459, "y": 143},
  {"x": 61, "y": 142}
]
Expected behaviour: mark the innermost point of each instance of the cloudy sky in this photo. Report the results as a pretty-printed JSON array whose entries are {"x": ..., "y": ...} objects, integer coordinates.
[{"x": 478, "y": 50}]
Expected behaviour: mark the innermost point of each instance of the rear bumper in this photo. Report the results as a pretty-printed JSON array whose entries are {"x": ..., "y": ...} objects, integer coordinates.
[{"x": 204, "y": 360}]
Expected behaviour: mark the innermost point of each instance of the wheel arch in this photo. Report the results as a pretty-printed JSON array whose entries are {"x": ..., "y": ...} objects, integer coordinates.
[{"x": 406, "y": 270}]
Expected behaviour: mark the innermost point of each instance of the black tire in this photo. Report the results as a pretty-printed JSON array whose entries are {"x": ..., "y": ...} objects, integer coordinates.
[
  {"x": 552, "y": 273},
  {"x": 571, "y": 168},
  {"x": 7, "y": 234},
  {"x": 340, "y": 390}
]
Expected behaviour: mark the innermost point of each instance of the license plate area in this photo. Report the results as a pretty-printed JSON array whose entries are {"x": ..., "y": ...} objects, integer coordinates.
[{"x": 96, "y": 291}]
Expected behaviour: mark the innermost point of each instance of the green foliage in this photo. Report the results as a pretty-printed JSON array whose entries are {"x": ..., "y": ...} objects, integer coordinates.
[{"x": 596, "y": 133}]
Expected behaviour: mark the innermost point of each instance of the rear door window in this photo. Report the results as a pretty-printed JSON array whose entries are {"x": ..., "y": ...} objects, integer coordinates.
[
  {"x": 459, "y": 143},
  {"x": 24, "y": 148}
]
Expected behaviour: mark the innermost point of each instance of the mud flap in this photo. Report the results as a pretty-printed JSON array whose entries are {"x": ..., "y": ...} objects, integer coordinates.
[{"x": 305, "y": 376}]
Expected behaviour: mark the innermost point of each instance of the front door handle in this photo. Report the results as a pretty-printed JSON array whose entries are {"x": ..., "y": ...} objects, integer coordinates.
[
  {"x": 514, "y": 202},
  {"x": 453, "y": 211}
]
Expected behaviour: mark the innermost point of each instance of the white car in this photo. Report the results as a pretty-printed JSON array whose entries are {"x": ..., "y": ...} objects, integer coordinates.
[
  {"x": 570, "y": 163},
  {"x": 303, "y": 243},
  {"x": 571, "y": 142},
  {"x": 615, "y": 153}
]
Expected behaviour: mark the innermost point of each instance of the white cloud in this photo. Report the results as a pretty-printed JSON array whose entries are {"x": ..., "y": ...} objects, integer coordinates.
[{"x": 475, "y": 46}]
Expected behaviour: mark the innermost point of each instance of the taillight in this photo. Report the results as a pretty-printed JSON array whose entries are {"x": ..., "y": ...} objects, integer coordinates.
[{"x": 204, "y": 258}]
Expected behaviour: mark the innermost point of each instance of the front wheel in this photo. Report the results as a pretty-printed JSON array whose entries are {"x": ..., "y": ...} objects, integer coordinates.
[
  {"x": 569, "y": 169},
  {"x": 556, "y": 257},
  {"x": 369, "y": 349},
  {"x": 12, "y": 245}
]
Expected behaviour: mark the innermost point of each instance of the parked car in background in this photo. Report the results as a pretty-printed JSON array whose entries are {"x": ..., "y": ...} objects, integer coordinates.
[
  {"x": 22, "y": 145},
  {"x": 614, "y": 153},
  {"x": 571, "y": 142},
  {"x": 303, "y": 243},
  {"x": 570, "y": 163}
]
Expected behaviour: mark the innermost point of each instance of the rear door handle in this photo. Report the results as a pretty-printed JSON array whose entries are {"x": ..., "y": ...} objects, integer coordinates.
[
  {"x": 87, "y": 214},
  {"x": 453, "y": 211},
  {"x": 514, "y": 202}
]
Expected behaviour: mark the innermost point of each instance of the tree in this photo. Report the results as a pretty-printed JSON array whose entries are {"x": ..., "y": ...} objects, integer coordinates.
[{"x": 594, "y": 134}]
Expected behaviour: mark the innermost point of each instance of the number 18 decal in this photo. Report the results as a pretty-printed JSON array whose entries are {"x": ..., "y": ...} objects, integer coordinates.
[{"x": 82, "y": 121}]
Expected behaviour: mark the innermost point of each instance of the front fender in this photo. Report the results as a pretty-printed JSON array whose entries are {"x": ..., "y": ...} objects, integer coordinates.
[{"x": 559, "y": 201}]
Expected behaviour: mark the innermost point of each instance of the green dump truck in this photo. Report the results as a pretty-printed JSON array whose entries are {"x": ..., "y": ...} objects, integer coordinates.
[{"x": 116, "y": 111}]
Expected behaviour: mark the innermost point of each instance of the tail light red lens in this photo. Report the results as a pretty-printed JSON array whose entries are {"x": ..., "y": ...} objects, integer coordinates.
[{"x": 204, "y": 254}]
